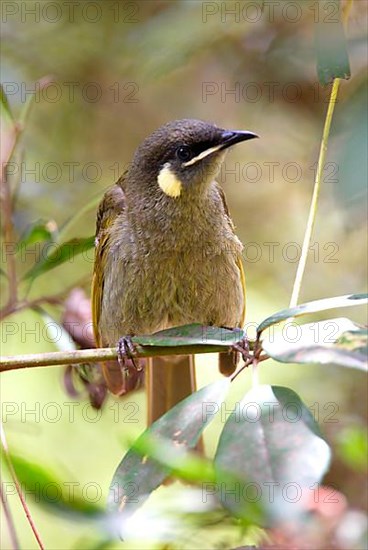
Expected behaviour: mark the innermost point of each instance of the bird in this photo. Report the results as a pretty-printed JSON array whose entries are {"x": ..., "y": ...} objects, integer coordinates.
[{"x": 166, "y": 254}]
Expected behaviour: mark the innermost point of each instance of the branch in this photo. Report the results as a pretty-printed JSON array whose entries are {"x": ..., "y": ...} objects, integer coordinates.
[{"x": 60, "y": 358}]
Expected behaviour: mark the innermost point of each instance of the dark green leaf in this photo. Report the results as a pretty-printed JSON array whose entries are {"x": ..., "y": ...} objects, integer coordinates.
[
  {"x": 136, "y": 476},
  {"x": 338, "y": 341},
  {"x": 59, "y": 255},
  {"x": 312, "y": 307},
  {"x": 331, "y": 50},
  {"x": 193, "y": 334},
  {"x": 269, "y": 441}
]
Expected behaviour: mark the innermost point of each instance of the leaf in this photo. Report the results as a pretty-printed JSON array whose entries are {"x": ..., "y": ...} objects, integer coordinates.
[
  {"x": 270, "y": 440},
  {"x": 347, "y": 300},
  {"x": 5, "y": 107},
  {"x": 136, "y": 476},
  {"x": 50, "y": 491},
  {"x": 41, "y": 85},
  {"x": 59, "y": 255},
  {"x": 55, "y": 332},
  {"x": 76, "y": 217},
  {"x": 352, "y": 445},
  {"x": 175, "y": 458},
  {"x": 330, "y": 43},
  {"x": 338, "y": 341},
  {"x": 41, "y": 231},
  {"x": 192, "y": 334}
]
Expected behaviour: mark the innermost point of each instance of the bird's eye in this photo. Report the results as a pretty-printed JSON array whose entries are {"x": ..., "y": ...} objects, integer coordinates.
[{"x": 183, "y": 153}]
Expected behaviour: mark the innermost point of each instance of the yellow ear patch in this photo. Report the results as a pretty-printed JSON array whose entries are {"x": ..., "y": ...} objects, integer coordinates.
[{"x": 168, "y": 182}]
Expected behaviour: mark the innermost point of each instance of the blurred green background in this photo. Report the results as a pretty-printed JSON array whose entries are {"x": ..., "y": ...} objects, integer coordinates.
[{"x": 119, "y": 70}]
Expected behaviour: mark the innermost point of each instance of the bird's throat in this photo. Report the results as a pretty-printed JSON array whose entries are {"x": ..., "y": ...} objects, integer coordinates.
[{"x": 169, "y": 183}]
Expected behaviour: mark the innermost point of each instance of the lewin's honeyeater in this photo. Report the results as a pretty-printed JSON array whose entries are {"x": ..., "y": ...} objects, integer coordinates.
[{"x": 167, "y": 254}]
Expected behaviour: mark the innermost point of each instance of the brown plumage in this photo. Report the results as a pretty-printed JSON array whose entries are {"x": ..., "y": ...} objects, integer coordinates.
[{"x": 167, "y": 254}]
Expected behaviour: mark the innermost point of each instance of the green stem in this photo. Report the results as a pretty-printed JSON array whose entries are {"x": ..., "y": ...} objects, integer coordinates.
[
  {"x": 317, "y": 187},
  {"x": 317, "y": 183}
]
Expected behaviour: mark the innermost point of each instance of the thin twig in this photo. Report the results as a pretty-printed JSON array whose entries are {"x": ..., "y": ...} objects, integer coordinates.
[
  {"x": 18, "y": 488},
  {"x": 50, "y": 299},
  {"x": 8, "y": 226},
  {"x": 74, "y": 357},
  {"x": 7, "y": 198}
]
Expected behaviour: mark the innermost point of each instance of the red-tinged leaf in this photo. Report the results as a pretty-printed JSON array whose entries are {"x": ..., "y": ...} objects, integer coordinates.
[{"x": 338, "y": 341}]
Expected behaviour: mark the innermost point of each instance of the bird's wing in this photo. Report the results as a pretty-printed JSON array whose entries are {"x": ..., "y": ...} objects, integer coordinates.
[{"x": 112, "y": 204}]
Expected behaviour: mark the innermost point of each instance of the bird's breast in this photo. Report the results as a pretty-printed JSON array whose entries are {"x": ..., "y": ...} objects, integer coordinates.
[{"x": 178, "y": 275}]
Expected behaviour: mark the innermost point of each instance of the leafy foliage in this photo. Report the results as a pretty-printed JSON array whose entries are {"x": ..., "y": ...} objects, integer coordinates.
[
  {"x": 60, "y": 254},
  {"x": 137, "y": 476},
  {"x": 337, "y": 341},
  {"x": 270, "y": 439}
]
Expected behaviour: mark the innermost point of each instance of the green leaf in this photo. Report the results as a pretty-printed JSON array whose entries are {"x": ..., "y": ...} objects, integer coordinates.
[
  {"x": 330, "y": 43},
  {"x": 136, "y": 476},
  {"x": 42, "y": 84},
  {"x": 193, "y": 334},
  {"x": 49, "y": 491},
  {"x": 5, "y": 107},
  {"x": 347, "y": 300},
  {"x": 41, "y": 231},
  {"x": 352, "y": 445},
  {"x": 76, "y": 217},
  {"x": 176, "y": 459},
  {"x": 59, "y": 255},
  {"x": 192, "y": 468},
  {"x": 270, "y": 440},
  {"x": 338, "y": 341}
]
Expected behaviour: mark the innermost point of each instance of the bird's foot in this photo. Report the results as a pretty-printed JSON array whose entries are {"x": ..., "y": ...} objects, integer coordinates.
[
  {"x": 243, "y": 348},
  {"x": 129, "y": 363}
]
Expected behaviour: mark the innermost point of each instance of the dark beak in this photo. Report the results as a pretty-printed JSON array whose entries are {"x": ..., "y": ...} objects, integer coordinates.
[{"x": 231, "y": 137}]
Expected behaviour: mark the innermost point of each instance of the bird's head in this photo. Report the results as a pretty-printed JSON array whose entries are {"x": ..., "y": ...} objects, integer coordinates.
[{"x": 182, "y": 155}]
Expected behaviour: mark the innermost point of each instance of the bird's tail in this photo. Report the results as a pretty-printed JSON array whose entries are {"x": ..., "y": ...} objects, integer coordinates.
[{"x": 168, "y": 381}]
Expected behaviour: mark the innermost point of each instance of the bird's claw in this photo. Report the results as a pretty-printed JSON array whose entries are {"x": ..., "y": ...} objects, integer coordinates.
[
  {"x": 127, "y": 359},
  {"x": 126, "y": 349},
  {"x": 243, "y": 348}
]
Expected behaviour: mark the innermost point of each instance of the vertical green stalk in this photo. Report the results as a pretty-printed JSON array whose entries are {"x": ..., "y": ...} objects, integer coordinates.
[
  {"x": 318, "y": 180},
  {"x": 317, "y": 187}
]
